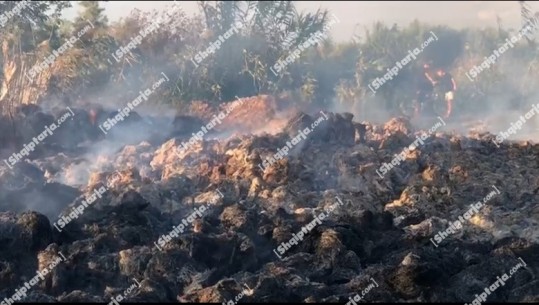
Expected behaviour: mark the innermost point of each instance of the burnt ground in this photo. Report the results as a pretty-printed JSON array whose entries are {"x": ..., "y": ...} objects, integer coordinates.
[{"x": 382, "y": 231}]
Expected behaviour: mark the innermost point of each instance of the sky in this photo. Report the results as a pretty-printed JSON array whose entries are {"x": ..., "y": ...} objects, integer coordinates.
[{"x": 354, "y": 17}]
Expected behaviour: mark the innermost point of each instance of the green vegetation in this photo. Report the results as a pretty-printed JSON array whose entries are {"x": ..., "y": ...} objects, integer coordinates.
[{"x": 328, "y": 74}]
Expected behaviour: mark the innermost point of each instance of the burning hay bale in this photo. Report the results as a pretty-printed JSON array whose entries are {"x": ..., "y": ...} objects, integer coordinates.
[{"x": 247, "y": 113}]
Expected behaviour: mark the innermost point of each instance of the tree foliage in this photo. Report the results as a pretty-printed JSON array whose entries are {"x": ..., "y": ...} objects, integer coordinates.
[{"x": 263, "y": 33}]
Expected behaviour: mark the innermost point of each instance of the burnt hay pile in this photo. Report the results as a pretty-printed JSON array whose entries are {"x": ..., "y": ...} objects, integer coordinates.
[{"x": 382, "y": 231}]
